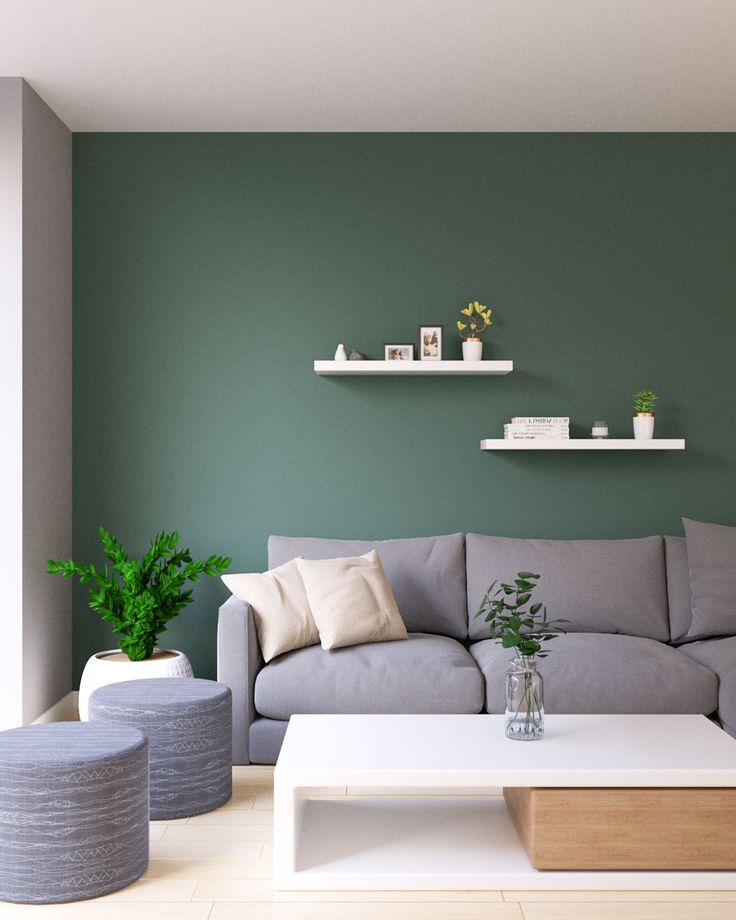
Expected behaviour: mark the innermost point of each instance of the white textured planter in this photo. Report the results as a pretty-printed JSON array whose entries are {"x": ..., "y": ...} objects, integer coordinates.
[
  {"x": 643, "y": 427},
  {"x": 113, "y": 666},
  {"x": 473, "y": 350}
]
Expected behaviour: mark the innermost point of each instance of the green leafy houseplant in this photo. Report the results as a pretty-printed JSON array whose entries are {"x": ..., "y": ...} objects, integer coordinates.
[
  {"x": 644, "y": 402},
  {"x": 515, "y": 627},
  {"x": 149, "y": 592}
]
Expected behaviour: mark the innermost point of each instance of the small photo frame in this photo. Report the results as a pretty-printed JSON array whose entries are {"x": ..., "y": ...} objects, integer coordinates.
[
  {"x": 396, "y": 351},
  {"x": 431, "y": 342}
]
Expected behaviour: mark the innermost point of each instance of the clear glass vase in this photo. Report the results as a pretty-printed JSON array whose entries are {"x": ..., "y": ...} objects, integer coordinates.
[{"x": 524, "y": 700}]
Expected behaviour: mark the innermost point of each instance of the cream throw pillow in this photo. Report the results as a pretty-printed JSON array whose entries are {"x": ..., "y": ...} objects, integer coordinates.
[
  {"x": 280, "y": 608},
  {"x": 351, "y": 600}
]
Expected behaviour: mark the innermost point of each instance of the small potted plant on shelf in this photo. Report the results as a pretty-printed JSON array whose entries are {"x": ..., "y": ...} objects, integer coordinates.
[
  {"x": 644, "y": 402},
  {"x": 523, "y": 628},
  {"x": 476, "y": 319},
  {"x": 147, "y": 596}
]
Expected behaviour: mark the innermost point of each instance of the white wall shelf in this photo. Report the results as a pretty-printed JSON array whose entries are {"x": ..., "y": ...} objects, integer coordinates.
[
  {"x": 412, "y": 368},
  {"x": 584, "y": 444}
]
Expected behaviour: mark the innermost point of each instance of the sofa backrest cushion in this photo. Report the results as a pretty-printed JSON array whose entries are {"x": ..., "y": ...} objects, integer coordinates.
[
  {"x": 426, "y": 574},
  {"x": 678, "y": 587},
  {"x": 711, "y": 554},
  {"x": 606, "y": 586}
]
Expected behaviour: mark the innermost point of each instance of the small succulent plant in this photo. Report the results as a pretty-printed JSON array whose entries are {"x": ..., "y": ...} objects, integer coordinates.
[{"x": 644, "y": 401}]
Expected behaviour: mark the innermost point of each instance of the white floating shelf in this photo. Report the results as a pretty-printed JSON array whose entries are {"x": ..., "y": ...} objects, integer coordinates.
[
  {"x": 412, "y": 368},
  {"x": 584, "y": 444}
]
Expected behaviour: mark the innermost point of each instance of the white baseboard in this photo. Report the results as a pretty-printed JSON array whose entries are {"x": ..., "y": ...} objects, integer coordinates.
[{"x": 64, "y": 711}]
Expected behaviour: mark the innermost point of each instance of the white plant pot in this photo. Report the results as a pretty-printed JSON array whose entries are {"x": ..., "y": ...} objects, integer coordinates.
[
  {"x": 473, "y": 350},
  {"x": 643, "y": 427},
  {"x": 113, "y": 666}
]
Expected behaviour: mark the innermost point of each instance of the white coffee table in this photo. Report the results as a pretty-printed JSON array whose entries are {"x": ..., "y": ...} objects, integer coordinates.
[{"x": 389, "y": 837}]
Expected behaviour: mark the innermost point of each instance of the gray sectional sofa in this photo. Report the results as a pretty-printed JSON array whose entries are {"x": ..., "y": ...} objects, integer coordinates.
[{"x": 626, "y": 650}]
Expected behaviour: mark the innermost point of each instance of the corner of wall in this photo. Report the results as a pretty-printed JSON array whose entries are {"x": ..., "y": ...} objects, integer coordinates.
[{"x": 47, "y": 402}]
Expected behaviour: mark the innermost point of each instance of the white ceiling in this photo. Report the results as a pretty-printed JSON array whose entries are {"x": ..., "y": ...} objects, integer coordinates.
[{"x": 377, "y": 65}]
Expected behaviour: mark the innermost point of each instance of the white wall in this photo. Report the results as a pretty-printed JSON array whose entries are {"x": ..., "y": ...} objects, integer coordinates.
[
  {"x": 47, "y": 403},
  {"x": 35, "y": 412},
  {"x": 11, "y": 404}
]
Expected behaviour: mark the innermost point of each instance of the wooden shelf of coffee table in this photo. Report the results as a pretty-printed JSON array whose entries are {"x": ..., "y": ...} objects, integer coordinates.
[{"x": 626, "y": 829}]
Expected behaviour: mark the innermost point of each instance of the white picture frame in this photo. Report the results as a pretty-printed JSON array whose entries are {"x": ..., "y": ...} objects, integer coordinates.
[
  {"x": 431, "y": 342},
  {"x": 398, "y": 351}
]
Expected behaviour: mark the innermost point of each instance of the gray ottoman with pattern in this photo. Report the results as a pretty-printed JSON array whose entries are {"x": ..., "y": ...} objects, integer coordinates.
[
  {"x": 73, "y": 811},
  {"x": 188, "y": 723}
]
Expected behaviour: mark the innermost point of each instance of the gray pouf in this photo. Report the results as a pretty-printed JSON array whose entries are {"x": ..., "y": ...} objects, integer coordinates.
[
  {"x": 73, "y": 811},
  {"x": 188, "y": 723}
]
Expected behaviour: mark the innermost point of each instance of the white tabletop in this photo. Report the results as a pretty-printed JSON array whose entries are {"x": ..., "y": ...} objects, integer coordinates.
[{"x": 472, "y": 751}]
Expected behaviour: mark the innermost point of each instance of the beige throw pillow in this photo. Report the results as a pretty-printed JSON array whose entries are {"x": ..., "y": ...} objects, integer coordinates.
[
  {"x": 280, "y": 608},
  {"x": 351, "y": 600}
]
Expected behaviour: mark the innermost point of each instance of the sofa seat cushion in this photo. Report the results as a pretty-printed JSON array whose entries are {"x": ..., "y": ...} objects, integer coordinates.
[
  {"x": 426, "y": 574},
  {"x": 719, "y": 655},
  {"x": 424, "y": 674},
  {"x": 605, "y": 673},
  {"x": 601, "y": 586}
]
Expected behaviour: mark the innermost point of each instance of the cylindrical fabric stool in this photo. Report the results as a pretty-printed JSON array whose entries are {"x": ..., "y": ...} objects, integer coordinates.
[
  {"x": 73, "y": 811},
  {"x": 188, "y": 723}
]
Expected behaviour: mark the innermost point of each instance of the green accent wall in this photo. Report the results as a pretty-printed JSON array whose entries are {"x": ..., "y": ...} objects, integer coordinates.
[{"x": 210, "y": 270}]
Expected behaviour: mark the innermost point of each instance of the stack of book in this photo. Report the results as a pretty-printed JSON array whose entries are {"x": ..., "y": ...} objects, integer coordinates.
[{"x": 536, "y": 427}]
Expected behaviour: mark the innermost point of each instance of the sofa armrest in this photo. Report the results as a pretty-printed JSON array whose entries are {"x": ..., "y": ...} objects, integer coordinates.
[{"x": 238, "y": 662}]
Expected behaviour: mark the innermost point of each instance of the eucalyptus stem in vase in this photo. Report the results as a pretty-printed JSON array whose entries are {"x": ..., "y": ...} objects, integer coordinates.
[{"x": 524, "y": 626}]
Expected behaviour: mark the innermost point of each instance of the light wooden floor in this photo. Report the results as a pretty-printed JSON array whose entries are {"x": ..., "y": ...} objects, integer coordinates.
[{"x": 218, "y": 867}]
